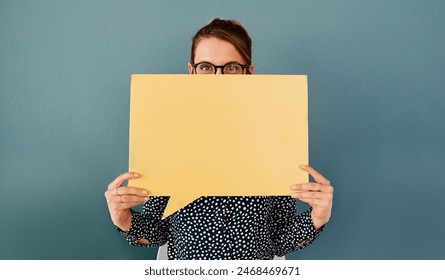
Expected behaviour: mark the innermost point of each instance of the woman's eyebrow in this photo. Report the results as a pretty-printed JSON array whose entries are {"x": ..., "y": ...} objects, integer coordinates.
[
  {"x": 233, "y": 61},
  {"x": 203, "y": 61}
]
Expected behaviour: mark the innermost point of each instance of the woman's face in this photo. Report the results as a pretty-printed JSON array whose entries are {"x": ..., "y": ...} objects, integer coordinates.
[{"x": 217, "y": 52}]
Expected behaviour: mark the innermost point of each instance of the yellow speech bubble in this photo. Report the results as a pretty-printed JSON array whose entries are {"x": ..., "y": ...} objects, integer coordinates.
[{"x": 217, "y": 135}]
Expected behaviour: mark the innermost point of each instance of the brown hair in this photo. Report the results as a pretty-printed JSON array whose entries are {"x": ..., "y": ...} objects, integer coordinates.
[{"x": 230, "y": 31}]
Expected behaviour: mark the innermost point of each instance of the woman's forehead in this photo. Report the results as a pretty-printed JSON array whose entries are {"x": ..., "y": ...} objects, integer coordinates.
[{"x": 216, "y": 51}]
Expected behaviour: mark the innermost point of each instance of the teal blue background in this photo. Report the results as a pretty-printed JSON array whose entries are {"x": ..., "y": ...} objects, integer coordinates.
[{"x": 376, "y": 103}]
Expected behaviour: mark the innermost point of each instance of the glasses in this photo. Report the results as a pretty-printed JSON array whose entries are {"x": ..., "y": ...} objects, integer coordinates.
[{"x": 209, "y": 68}]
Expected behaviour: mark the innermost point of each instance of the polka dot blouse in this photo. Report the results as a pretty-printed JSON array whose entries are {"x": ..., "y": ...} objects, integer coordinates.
[{"x": 245, "y": 227}]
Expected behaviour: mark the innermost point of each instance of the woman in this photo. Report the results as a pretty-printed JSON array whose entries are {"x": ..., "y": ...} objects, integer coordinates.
[{"x": 223, "y": 227}]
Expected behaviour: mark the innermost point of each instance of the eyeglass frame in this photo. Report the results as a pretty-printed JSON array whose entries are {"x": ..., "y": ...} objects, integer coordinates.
[{"x": 243, "y": 66}]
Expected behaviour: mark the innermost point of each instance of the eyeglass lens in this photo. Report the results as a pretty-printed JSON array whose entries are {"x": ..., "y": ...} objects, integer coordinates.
[{"x": 208, "y": 68}]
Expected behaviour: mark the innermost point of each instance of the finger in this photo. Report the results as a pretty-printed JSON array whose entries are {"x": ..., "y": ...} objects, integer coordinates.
[
  {"x": 131, "y": 198},
  {"x": 316, "y": 175},
  {"x": 121, "y": 179},
  {"x": 133, "y": 191},
  {"x": 314, "y": 187},
  {"x": 308, "y": 200},
  {"x": 316, "y": 195},
  {"x": 127, "y": 205},
  {"x": 315, "y": 202},
  {"x": 307, "y": 187},
  {"x": 122, "y": 199},
  {"x": 328, "y": 189}
]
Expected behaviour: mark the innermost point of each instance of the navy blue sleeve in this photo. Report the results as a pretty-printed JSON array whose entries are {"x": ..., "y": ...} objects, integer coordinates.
[
  {"x": 291, "y": 231},
  {"x": 149, "y": 224}
]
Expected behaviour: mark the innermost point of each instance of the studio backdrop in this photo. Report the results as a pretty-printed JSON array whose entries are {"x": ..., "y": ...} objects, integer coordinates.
[{"x": 376, "y": 115}]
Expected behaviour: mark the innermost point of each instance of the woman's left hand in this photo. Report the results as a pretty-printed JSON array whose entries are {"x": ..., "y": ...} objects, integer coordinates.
[{"x": 319, "y": 195}]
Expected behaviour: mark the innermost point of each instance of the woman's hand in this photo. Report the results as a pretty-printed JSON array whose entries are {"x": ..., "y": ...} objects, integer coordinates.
[
  {"x": 121, "y": 199},
  {"x": 319, "y": 195}
]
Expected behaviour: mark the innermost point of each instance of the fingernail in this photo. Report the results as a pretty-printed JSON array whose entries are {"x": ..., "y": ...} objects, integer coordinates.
[
  {"x": 147, "y": 198},
  {"x": 135, "y": 175},
  {"x": 144, "y": 192},
  {"x": 303, "y": 166},
  {"x": 293, "y": 187}
]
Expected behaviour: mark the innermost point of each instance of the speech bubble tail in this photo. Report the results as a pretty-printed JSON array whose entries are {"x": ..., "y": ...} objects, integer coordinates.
[{"x": 176, "y": 203}]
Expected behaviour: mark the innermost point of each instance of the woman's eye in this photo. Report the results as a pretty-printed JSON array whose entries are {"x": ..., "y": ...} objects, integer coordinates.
[
  {"x": 205, "y": 67},
  {"x": 232, "y": 67}
]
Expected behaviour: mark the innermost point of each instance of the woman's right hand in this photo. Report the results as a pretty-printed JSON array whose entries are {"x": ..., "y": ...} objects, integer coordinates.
[{"x": 121, "y": 199}]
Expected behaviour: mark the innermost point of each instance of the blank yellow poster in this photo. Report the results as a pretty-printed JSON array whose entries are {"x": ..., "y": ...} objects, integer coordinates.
[{"x": 217, "y": 135}]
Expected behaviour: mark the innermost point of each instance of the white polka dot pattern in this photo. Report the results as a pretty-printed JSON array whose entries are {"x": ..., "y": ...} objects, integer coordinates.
[{"x": 230, "y": 228}]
